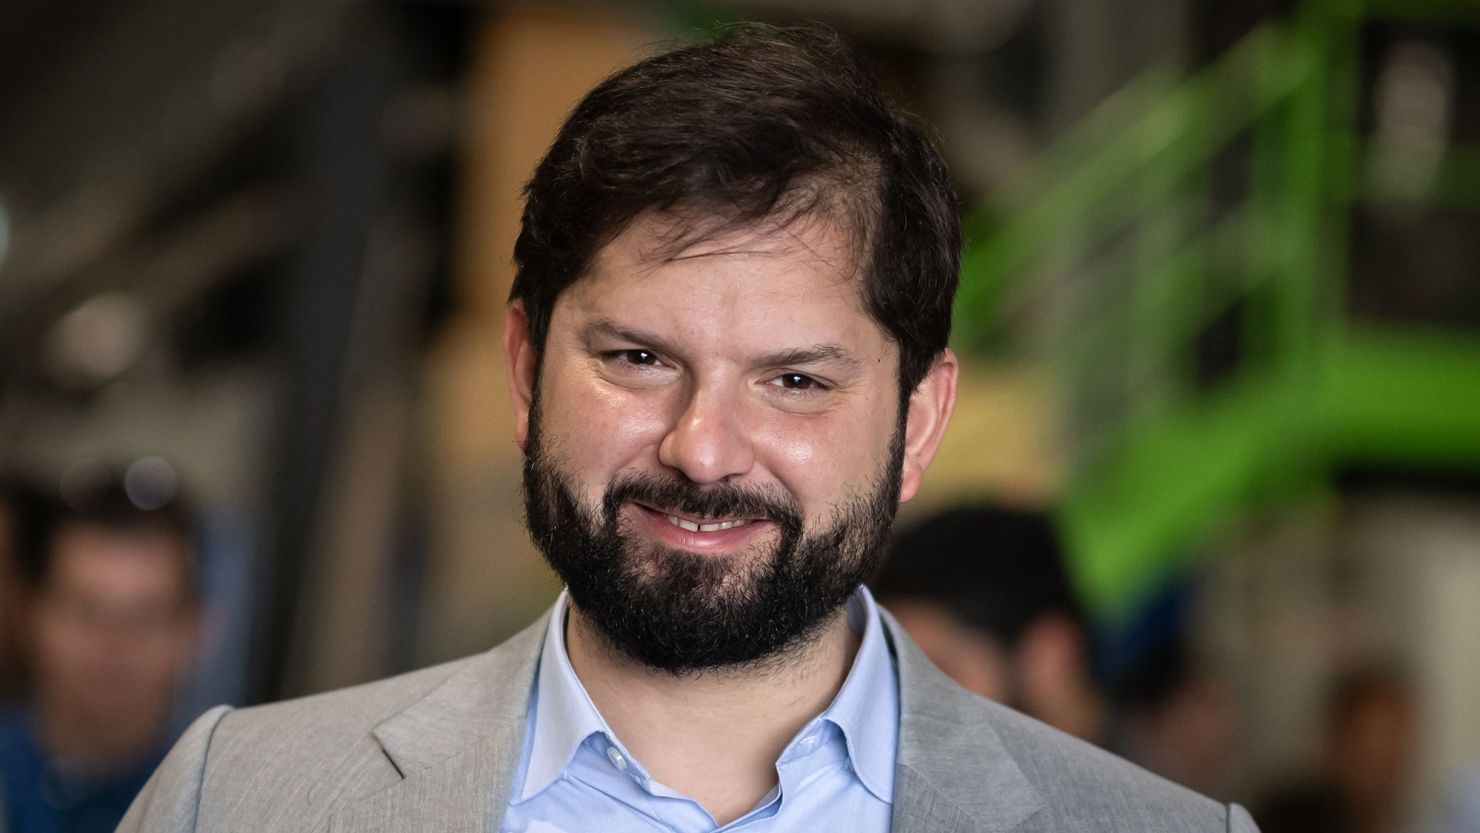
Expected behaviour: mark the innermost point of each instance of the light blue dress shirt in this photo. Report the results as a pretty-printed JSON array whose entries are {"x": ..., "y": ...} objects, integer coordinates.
[{"x": 576, "y": 776}]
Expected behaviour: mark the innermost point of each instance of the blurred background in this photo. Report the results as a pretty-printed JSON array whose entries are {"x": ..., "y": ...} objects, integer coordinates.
[{"x": 1220, "y": 323}]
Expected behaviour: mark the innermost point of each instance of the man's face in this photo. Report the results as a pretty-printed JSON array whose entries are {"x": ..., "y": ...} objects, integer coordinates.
[
  {"x": 717, "y": 450},
  {"x": 112, "y": 623}
]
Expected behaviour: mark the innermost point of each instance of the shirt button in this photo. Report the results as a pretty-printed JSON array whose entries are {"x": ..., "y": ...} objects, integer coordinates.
[{"x": 616, "y": 758}]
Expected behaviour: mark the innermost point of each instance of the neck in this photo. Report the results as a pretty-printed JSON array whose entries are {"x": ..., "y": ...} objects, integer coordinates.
[{"x": 714, "y": 736}]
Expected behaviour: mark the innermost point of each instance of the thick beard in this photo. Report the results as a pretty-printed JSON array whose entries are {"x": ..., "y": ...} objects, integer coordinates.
[{"x": 686, "y": 613}]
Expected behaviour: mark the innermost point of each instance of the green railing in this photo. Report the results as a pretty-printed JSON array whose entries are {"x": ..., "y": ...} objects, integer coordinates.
[{"x": 1125, "y": 250}]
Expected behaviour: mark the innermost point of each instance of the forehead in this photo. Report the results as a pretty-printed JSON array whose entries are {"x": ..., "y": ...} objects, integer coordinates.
[{"x": 808, "y": 267}]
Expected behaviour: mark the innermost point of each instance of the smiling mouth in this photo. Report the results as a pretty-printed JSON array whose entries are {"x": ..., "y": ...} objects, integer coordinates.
[
  {"x": 695, "y": 526},
  {"x": 690, "y": 524}
]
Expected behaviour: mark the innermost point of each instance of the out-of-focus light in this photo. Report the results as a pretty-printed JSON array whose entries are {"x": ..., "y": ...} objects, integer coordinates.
[
  {"x": 150, "y": 483},
  {"x": 1414, "y": 99},
  {"x": 99, "y": 339}
]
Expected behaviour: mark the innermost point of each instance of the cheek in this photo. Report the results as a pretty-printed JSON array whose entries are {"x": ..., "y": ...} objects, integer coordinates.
[
  {"x": 794, "y": 448},
  {"x": 59, "y": 638},
  {"x": 824, "y": 458},
  {"x": 596, "y": 429}
]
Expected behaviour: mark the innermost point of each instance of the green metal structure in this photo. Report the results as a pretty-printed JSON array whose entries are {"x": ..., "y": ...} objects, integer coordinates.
[{"x": 1131, "y": 253}]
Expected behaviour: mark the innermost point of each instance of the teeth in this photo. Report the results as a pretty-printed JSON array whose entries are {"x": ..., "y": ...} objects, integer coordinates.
[{"x": 684, "y": 523}]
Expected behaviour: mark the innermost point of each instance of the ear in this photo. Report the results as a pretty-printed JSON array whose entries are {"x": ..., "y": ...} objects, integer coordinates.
[
  {"x": 930, "y": 409},
  {"x": 519, "y": 361}
]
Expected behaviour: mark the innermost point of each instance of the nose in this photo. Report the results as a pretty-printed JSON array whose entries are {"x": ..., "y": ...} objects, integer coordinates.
[{"x": 708, "y": 442}]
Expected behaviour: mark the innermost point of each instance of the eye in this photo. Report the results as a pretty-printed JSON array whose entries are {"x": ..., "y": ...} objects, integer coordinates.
[
  {"x": 634, "y": 357},
  {"x": 797, "y": 382},
  {"x": 636, "y": 367},
  {"x": 642, "y": 358}
]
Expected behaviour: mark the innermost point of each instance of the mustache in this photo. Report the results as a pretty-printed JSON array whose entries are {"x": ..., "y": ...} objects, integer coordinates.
[{"x": 719, "y": 500}]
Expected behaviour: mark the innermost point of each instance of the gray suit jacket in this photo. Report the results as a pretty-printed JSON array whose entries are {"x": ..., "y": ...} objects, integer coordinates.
[{"x": 436, "y": 750}]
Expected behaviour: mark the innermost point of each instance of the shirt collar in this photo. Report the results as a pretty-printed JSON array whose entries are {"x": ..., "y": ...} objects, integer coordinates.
[
  {"x": 564, "y": 715},
  {"x": 866, "y": 708}
]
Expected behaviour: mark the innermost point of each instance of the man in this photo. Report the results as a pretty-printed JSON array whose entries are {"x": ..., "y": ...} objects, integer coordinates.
[
  {"x": 727, "y": 352},
  {"x": 109, "y": 622},
  {"x": 1178, "y": 717},
  {"x": 1365, "y": 771},
  {"x": 984, "y": 591}
]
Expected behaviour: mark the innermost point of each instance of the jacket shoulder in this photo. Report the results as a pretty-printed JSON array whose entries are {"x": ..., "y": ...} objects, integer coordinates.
[
  {"x": 997, "y": 768},
  {"x": 1084, "y": 787},
  {"x": 307, "y": 723},
  {"x": 279, "y": 766},
  {"x": 284, "y": 764},
  {"x": 305, "y": 730},
  {"x": 294, "y": 765}
]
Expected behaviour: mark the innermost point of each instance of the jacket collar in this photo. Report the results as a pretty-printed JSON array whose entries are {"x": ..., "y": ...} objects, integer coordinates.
[{"x": 458, "y": 750}]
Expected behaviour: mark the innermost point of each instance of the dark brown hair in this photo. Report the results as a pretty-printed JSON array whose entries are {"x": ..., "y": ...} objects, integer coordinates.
[{"x": 762, "y": 123}]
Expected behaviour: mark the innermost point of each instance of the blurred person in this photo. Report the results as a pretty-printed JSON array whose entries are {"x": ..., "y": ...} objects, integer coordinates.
[
  {"x": 1177, "y": 718},
  {"x": 726, "y": 348},
  {"x": 109, "y": 611},
  {"x": 984, "y": 592},
  {"x": 1365, "y": 764},
  {"x": 1371, "y": 730}
]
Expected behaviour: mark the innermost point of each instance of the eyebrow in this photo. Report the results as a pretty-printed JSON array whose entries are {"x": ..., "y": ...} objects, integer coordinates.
[
  {"x": 607, "y": 327},
  {"x": 829, "y": 354}
]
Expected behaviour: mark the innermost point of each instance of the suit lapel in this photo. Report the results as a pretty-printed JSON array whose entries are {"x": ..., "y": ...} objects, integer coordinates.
[
  {"x": 457, "y": 748},
  {"x": 953, "y": 772},
  {"x": 457, "y": 796}
]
